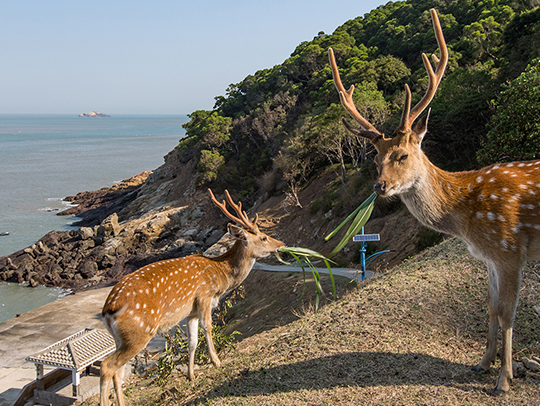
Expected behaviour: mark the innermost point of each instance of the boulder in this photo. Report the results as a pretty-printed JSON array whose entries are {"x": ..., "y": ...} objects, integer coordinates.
[
  {"x": 86, "y": 233},
  {"x": 88, "y": 269}
]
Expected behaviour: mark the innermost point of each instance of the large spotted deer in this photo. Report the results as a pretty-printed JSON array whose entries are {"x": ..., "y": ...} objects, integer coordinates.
[
  {"x": 495, "y": 210},
  {"x": 160, "y": 295}
]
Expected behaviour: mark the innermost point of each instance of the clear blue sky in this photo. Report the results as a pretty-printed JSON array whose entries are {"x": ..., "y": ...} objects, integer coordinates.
[{"x": 153, "y": 57}]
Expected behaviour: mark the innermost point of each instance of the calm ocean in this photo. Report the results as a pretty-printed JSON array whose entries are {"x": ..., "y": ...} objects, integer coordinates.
[{"x": 48, "y": 157}]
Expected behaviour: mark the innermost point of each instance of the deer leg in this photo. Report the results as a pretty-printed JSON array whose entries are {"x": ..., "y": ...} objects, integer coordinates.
[
  {"x": 192, "y": 328},
  {"x": 508, "y": 299},
  {"x": 111, "y": 369},
  {"x": 206, "y": 322},
  {"x": 493, "y": 299},
  {"x": 117, "y": 381}
]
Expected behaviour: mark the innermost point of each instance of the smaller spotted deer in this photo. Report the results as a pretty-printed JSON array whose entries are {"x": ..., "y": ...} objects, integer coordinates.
[
  {"x": 160, "y": 295},
  {"x": 495, "y": 210}
]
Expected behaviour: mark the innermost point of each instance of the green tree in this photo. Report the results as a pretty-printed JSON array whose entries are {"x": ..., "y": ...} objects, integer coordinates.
[
  {"x": 209, "y": 127},
  {"x": 209, "y": 164},
  {"x": 514, "y": 130}
]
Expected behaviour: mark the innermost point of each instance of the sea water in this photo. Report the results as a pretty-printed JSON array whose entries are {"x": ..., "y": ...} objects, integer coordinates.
[{"x": 44, "y": 158}]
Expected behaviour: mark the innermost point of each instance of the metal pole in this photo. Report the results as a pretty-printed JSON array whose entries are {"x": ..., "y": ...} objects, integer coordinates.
[{"x": 363, "y": 256}]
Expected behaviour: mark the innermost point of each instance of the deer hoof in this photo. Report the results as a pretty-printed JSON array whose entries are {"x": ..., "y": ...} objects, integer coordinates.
[
  {"x": 479, "y": 368},
  {"x": 497, "y": 391}
]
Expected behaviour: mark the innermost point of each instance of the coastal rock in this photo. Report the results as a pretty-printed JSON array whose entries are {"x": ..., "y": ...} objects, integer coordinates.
[
  {"x": 89, "y": 269},
  {"x": 108, "y": 228},
  {"x": 93, "y": 207},
  {"x": 86, "y": 233}
]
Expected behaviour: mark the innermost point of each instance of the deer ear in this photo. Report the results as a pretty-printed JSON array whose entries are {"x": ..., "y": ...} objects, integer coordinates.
[
  {"x": 420, "y": 128},
  {"x": 237, "y": 232}
]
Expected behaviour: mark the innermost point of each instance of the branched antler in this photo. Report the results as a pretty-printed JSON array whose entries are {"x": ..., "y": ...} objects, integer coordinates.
[
  {"x": 242, "y": 218},
  {"x": 408, "y": 116},
  {"x": 368, "y": 130}
]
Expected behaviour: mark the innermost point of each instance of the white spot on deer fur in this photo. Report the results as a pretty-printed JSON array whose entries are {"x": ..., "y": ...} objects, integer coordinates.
[
  {"x": 492, "y": 180},
  {"x": 142, "y": 324},
  {"x": 479, "y": 215},
  {"x": 479, "y": 179},
  {"x": 470, "y": 188},
  {"x": 510, "y": 165},
  {"x": 537, "y": 227},
  {"x": 154, "y": 289},
  {"x": 131, "y": 312},
  {"x": 532, "y": 192},
  {"x": 152, "y": 311},
  {"x": 504, "y": 243},
  {"x": 480, "y": 197},
  {"x": 505, "y": 190},
  {"x": 493, "y": 196},
  {"x": 496, "y": 166},
  {"x": 491, "y": 216},
  {"x": 521, "y": 165},
  {"x": 137, "y": 306},
  {"x": 523, "y": 186},
  {"x": 515, "y": 230},
  {"x": 501, "y": 218}
]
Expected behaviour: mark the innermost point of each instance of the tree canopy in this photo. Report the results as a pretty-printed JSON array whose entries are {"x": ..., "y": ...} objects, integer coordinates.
[{"x": 283, "y": 122}]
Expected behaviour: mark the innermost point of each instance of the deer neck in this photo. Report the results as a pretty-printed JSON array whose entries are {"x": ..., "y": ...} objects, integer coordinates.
[
  {"x": 435, "y": 198},
  {"x": 236, "y": 263}
]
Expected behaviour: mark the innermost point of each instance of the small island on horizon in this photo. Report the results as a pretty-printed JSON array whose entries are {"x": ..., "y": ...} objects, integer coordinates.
[{"x": 93, "y": 114}]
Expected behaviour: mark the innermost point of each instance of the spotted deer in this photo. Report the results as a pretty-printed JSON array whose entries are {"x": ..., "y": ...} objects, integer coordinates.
[
  {"x": 495, "y": 210},
  {"x": 160, "y": 295}
]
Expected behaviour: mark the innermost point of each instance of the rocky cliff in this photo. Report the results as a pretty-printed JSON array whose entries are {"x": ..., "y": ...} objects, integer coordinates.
[{"x": 164, "y": 214}]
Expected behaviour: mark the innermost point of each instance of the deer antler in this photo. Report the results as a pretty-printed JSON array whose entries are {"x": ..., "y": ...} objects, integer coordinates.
[
  {"x": 242, "y": 219},
  {"x": 368, "y": 131},
  {"x": 408, "y": 116}
]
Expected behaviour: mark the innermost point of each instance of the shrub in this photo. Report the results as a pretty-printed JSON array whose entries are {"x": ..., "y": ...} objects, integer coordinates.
[{"x": 514, "y": 130}]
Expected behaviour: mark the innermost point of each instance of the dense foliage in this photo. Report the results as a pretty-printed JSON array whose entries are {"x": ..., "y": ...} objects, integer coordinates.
[
  {"x": 280, "y": 126},
  {"x": 514, "y": 130}
]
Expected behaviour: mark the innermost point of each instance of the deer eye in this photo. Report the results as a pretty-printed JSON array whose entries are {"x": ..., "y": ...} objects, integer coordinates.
[
  {"x": 264, "y": 238},
  {"x": 402, "y": 158}
]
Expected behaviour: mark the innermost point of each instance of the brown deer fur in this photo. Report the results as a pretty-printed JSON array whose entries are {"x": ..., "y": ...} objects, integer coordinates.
[{"x": 160, "y": 295}]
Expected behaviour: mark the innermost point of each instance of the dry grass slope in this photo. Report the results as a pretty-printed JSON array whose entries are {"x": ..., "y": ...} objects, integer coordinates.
[{"x": 408, "y": 337}]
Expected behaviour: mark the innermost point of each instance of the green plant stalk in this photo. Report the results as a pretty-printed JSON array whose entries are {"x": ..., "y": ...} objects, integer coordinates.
[
  {"x": 299, "y": 254},
  {"x": 363, "y": 212}
]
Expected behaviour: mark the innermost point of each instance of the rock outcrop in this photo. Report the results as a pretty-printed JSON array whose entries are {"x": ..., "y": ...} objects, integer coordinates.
[{"x": 163, "y": 214}]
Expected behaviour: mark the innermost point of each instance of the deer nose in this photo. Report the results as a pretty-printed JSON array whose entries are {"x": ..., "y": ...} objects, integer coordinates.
[{"x": 380, "y": 188}]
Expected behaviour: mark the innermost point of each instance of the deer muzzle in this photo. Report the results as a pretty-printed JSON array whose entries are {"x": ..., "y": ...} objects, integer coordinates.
[{"x": 380, "y": 188}]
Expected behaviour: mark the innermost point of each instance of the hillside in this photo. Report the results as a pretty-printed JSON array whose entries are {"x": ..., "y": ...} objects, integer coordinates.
[{"x": 408, "y": 337}]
